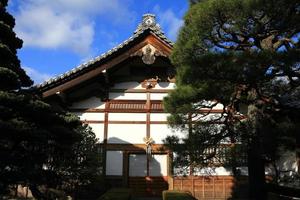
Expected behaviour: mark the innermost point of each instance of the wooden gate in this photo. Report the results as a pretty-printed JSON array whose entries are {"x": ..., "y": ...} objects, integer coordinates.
[{"x": 212, "y": 187}]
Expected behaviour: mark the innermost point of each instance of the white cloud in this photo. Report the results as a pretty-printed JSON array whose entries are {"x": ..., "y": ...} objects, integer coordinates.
[
  {"x": 36, "y": 76},
  {"x": 68, "y": 24},
  {"x": 169, "y": 21}
]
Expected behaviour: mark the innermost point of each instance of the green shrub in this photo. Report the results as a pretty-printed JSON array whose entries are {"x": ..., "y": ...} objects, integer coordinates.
[
  {"x": 116, "y": 194},
  {"x": 177, "y": 195}
]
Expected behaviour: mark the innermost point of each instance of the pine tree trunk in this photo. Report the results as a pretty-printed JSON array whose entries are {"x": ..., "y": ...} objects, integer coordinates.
[
  {"x": 256, "y": 165},
  {"x": 256, "y": 169}
]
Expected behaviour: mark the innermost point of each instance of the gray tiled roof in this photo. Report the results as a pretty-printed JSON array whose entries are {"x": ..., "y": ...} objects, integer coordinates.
[{"x": 148, "y": 24}]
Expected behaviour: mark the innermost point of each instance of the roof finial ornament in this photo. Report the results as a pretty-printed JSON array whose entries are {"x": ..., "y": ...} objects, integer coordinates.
[{"x": 149, "y": 21}]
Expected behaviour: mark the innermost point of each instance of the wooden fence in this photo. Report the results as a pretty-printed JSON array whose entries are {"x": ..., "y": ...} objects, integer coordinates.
[{"x": 212, "y": 187}]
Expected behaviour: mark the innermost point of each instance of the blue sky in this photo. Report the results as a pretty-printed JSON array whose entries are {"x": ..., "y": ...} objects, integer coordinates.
[{"x": 58, "y": 35}]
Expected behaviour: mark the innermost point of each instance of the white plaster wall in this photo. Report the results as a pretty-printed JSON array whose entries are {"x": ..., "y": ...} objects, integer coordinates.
[
  {"x": 127, "y": 85},
  {"x": 158, "y": 165},
  {"x": 218, "y": 106},
  {"x": 218, "y": 171},
  {"x": 127, "y": 116},
  {"x": 164, "y": 85},
  {"x": 136, "y": 85},
  {"x": 114, "y": 163},
  {"x": 159, "y": 132},
  {"x": 159, "y": 116},
  {"x": 90, "y": 116},
  {"x": 93, "y": 103},
  {"x": 126, "y": 133},
  {"x": 207, "y": 117},
  {"x": 158, "y": 96},
  {"x": 127, "y": 96},
  {"x": 210, "y": 103},
  {"x": 98, "y": 129},
  {"x": 137, "y": 165}
]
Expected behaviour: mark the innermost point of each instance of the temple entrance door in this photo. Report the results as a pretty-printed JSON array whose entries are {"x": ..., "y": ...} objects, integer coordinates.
[{"x": 148, "y": 175}]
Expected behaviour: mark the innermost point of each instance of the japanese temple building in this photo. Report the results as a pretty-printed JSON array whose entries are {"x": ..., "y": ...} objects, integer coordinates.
[{"x": 119, "y": 95}]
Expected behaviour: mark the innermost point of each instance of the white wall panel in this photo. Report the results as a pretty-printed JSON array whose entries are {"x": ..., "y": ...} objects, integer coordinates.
[
  {"x": 90, "y": 116},
  {"x": 137, "y": 165},
  {"x": 218, "y": 171},
  {"x": 164, "y": 85},
  {"x": 98, "y": 129},
  {"x": 127, "y": 96},
  {"x": 93, "y": 103},
  {"x": 114, "y": 163},
  {"x": 127, "y": 116},
  {"x": 159, "y": 132},
  {"x": 158, "y": 96},
  {"x": 158, "y": 165},
  {"x": 126, "y": 133},
  {"x": 207, "y": 117},
  {"x": 159, "y": 116},
  {"x": 218, "y": 106},
  {"x": 127, "y": 85}
]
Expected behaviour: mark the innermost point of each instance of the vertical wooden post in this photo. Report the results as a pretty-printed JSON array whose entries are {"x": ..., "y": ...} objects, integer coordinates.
[
  {"x": 193, "y": 186},
  {"x": 148, "y": 108},
  {"x": 214, "y": 188},
  {"x": 224, "y": 188},
  {"x": 181, "y": 183},
  {"x": 203, "y": 194},
  {"x": 105, "y": 135}
]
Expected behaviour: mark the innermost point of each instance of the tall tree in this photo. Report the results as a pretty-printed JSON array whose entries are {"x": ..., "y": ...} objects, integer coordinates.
[
  {"x": 39, "y": 145},
  {"x": 239, "y": 53}
]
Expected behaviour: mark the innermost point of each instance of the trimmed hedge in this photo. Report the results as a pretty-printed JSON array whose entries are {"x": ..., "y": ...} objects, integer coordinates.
[
  {"x": 116, "y": 194},
  {"x": 176, "y": 195}
]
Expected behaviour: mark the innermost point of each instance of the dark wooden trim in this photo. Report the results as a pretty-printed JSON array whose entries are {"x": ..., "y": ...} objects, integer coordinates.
[
  {"x": 105, "y": 132},
  {"x": 134, "y": 122},
  {"x": 217, "y": 111},
  {"x": 127, "y": 101},
  {"x": 148, "y": 107},
  {"x": 140, "y": 90},
  {"x": 105, "y": 126},
  {"x": 127, "y": 122},
  {"x": 93, "y": 121},
  {"x": 158, "y": 122},
  {"x": 159, "y": 44},
  {"x": 157, "y": 148},
  {"x": 87, "y": 110},
  {"x": 147, "y": 122}
]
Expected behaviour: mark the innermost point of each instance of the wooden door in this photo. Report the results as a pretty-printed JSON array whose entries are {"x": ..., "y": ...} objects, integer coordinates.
[{"x": 148, "y": 176}]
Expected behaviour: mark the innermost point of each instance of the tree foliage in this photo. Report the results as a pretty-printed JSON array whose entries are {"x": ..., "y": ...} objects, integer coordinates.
[
  {"x": 240, "y": 54},
  {"x": 39, "y": 145}
]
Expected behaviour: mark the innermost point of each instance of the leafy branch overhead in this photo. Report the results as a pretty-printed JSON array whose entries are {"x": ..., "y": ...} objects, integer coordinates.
[{"x": 242, "y": 56}]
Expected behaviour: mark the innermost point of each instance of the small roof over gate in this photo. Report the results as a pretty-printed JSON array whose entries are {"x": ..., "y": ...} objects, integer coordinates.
[{"x": 148, "y": 33}]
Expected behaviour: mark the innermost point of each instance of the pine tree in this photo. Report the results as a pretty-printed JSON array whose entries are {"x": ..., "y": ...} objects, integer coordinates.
[
  {"x": 239, "y": 53},
  {"x": 12, "y": 76},
  {"x": 39, "y": 145}
]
